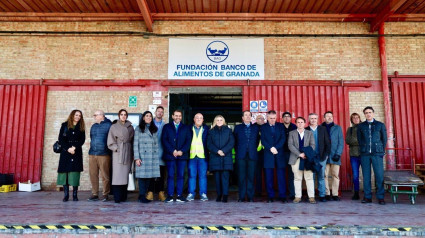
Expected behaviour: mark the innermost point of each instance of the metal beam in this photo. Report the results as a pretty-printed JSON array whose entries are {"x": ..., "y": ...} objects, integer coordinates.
[
  {"x": 385, "y": 13},
  {"x": 147, "y": 16}
]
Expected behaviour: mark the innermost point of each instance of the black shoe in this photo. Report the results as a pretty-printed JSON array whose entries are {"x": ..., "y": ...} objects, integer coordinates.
[
  {"x": 323, "y": 199},
  {"x": 270, "y": 200},
  {"x": 66, "y": 193},
  {"x": 366, "y": 200},
  {"x": 105, "y": 198},
  {"x": 93, "y": 198},
  {"x": 181, "y": 199},
  {"x": 169, "y": 199},
  {"x": 283, "y": 200},
  {"x": 250, "y": 200},
  {"x": 291, "y": 198},
  {"x": 355, "y": 196},
  {"x": 240, "y": 200},
  {"x": 328, "y": 197},
  {"x": 74, "y": 193},
  {"x": 224, "y": 198},
  {"x": 336, "y": 198},
  {"x": 142, "y": 199},
  {"x": 381, "y": 202},
  {"x": 218, "y": 199}
]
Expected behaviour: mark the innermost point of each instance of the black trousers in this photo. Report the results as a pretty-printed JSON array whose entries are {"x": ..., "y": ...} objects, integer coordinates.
[
  {"x": 120, "y": 193},
  {"x": 157, "y": 184},
  {"x": 246, "y": 172},
  {"x": 143, "y": 185},
  {"x": 222, "y": 182}
]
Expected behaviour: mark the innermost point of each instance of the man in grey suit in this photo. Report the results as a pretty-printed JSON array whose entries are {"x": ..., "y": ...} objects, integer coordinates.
[{"x": 297, "y": 141}]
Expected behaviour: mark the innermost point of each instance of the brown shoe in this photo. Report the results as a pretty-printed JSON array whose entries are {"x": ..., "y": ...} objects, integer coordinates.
[
  {"x": 297, "y": 200},
  {"x": 161, "y": 196},
  {"x": 149, "y": 196},
  {"x": 312, "y": 200}
]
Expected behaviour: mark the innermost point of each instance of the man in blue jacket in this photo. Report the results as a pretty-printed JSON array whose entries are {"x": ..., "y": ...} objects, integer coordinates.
[
  {"x": 334, "y": 161},
  {"x": 99, "y": 156},
  {"x": 273, "y": 137},
  {"x": 288, "y": 126},
  {"x": 176, "y": 143},
  {"x": 246, "y": 142},
  {"x": 198, "y": 157},
  {"x": 372, "y": 138}
]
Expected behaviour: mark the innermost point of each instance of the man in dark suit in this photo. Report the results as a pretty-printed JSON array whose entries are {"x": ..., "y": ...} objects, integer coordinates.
[
  {"x": 288, "y": 126},
  {"x": 246, "y": 142},
  {"x": 176, "y": 140},
  {"x": 323, "y": 148},
  {"x": 273, "y": 137}
]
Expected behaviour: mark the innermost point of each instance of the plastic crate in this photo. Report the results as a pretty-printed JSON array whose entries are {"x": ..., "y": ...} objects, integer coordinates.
[{"x": 8, "y": 188}]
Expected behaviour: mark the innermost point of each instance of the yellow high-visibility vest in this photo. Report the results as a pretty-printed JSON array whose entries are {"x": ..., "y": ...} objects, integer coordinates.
[{"x": 197, "y": 147}]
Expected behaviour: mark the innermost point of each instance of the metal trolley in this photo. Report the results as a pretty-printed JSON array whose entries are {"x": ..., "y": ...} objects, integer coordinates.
[{"x": 402, "y": 179}]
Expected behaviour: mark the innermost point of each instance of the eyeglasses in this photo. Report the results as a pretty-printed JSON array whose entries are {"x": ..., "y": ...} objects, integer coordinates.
[{"x": 96, "y": 115}]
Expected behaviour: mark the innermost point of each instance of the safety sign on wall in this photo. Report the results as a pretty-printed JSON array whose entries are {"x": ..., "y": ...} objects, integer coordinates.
[
  {"x": 253, "y": 106},
  {"x": 262, "y": 105},
  {"x": 132, "y": 101}
]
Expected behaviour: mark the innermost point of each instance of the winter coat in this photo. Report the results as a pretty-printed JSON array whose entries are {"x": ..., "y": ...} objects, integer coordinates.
[
  {"x": 146, "y": 149},
  {"x": 173, "y": 139},
  {"x": 351, "y": 140},
  {"x": 98, "y": 138},
  {"x": 378, "y": 138},
  {"x": 324, "y": 142},
  {"x": 277, "y": 140},
  {"x": 337, "y": 143},
  {"x": 244, "y": 144},
  {"x": 120, "y": 141},
  {"x": 69, "y": 137},
  {"x": 294, "y": 144},
  {"x": 220, "y": 138}
]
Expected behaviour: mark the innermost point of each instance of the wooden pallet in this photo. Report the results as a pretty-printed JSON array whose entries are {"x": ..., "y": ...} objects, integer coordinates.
[{"x": 420, "y": 169}]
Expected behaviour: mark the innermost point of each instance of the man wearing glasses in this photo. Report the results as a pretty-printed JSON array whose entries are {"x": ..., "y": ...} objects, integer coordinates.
[{"x": 99, "y": 156}]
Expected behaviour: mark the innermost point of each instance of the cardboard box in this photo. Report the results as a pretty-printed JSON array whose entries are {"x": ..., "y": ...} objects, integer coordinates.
[{"x": 29, "y": 187}]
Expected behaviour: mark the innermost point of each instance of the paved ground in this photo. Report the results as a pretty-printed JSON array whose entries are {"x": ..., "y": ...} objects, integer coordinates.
[{"x": 194, "y": 218}]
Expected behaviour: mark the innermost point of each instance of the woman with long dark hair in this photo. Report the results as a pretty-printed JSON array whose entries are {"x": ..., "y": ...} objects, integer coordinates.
[
  {"x": 146, "y": 156},
  {"x": 120, "y": 141},
  {"x": 353, "y": 143},
  {"x": 71, "y": 138}
]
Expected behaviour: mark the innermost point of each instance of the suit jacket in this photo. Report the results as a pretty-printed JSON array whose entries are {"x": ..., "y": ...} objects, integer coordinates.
[
  {"x": 294, "y": 145},
  {"x": 268, "y": 140},
  {"x": 173, "y": 139},
  {"x": 324, "y": 142},
  {"x": 244, "y": 144}
]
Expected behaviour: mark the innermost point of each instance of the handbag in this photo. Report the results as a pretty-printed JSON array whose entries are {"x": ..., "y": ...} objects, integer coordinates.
[
  {"x": 131, "y": 185},
  {"x": 57, "y": 148}
]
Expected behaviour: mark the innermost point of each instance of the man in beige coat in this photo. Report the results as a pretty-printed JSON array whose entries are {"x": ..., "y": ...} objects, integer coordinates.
[{"x": 298, "y": 139}]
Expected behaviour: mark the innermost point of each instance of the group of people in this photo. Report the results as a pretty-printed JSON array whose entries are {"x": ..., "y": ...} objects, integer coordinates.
[{"x": 160, "y": 152}]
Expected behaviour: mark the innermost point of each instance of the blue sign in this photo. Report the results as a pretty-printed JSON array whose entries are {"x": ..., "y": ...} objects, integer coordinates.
[
  {"x": 253, "y": 106},
  {"x": 217, "y": 51},
  {"x": 263, "y": 106}
]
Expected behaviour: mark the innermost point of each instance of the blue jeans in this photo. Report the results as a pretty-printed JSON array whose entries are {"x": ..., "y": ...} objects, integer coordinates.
[
  {"x": 378, "y": 168},
  {"x": 355, "y": 166},
  {"x": 198, "y": 167},
  {"x": 281, "y": 182},
  {"x": 171, "y": 167},
  {"x": 321, "y": 179}
]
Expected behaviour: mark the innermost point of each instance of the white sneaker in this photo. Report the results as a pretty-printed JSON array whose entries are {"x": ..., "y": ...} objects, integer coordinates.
[
  {"x": 190, "y": 197},
  {"x": 204, "y": 197}
]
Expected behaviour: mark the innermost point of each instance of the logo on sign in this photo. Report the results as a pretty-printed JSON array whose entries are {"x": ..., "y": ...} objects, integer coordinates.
[
  {"x": 253, "y": 106},
  {"x": 217, "y": 51},
  {"x": 263, "y": 106}
]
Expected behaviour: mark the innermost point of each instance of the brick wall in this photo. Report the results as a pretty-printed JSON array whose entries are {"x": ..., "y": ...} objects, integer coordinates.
[{"x": 61, "y": 103}]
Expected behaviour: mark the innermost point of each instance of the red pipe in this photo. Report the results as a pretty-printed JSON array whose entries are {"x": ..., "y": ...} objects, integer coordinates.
[{"x": 391, "y": 163}]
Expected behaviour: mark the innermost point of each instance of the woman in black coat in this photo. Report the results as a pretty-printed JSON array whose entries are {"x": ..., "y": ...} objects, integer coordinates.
[
  {"x": 71, "y": 138},
  {"x": 220, "y": 144}
]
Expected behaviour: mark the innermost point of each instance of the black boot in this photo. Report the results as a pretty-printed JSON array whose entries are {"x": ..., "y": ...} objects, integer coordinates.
[
  {"x": 355, "y": 196},
  {"x": 218, "y": 199},
  {"x": 74, "y": 193},
  {"x": 224, "y": 198},
  {"x": 66, "y": 193}
]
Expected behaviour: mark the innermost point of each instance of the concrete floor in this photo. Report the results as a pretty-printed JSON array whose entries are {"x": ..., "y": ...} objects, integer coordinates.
[{"x": 44, "y": 208}]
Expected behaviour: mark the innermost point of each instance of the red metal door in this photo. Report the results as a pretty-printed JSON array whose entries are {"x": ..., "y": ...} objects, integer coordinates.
[
  {"x": 408, "y": 97},
  {"x": 302, "y": 100},
  {"x": 22, "y": 114}
]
